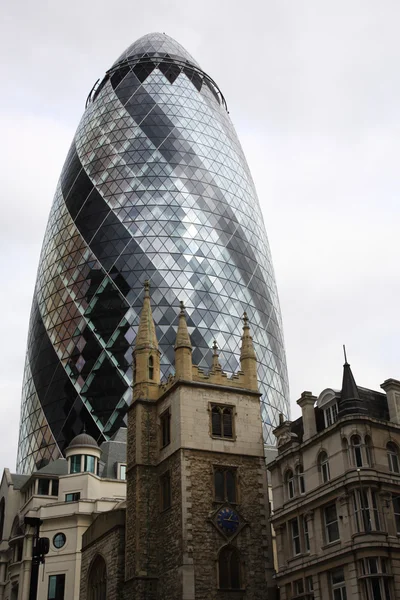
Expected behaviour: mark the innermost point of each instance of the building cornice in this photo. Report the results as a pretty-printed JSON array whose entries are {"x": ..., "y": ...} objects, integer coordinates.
[{"x": 295, "y": 448}]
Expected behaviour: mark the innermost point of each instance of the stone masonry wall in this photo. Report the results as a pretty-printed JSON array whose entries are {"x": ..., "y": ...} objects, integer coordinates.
[
  {"x": 251, "y": 541},
  {"x": 111, "y": 547}
]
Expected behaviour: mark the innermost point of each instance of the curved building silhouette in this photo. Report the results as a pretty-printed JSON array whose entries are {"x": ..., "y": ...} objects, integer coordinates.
[{"x": 155, "y": 186}]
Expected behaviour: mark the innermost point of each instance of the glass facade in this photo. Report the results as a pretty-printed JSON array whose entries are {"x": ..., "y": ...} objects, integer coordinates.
[{"x": 155, "y": 186}]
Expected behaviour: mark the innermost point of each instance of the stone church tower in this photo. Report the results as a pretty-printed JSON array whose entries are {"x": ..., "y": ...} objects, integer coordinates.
[{"x": 197, "y": 502}]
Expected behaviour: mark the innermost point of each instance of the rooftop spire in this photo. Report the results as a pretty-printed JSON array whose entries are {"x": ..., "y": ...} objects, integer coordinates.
[
  {"x": 215, "y": 362},
  {"x": 247, "y": 350},
  {"x": 350, "y": 401},
  {"x": 182, "y": 335},
  {"x": 248, "y": 359},
  {"x": 183, "y": 348},
  {"x": 349, "y": 386},
  {"x": 146, "y": 335}
]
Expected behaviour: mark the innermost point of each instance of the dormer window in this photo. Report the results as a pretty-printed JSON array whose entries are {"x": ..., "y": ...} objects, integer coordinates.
[
  {"x": 328, "y": 402},
  {"x": 331, "y": 414}
]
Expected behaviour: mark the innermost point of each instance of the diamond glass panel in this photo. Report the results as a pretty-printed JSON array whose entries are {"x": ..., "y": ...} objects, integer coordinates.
[{"x": 155, "y": 186}]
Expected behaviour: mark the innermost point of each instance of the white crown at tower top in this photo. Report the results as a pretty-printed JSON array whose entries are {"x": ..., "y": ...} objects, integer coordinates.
[{"x": 157, "y": 43}]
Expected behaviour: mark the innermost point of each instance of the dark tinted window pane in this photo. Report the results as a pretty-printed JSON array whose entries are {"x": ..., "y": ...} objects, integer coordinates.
[
  {"x": 76, "y": 463},
  {"x": 54, "y": 488},
  {"x": 216, "y": 421},
  {"x": 56, "y": 587},
  {"x": 89, "y": 464},
  {"x": 235, "y": 571},
  {"x": 219, "y": 485},
  {"x": 223, "y": 565},
  {"x": 230, "y": 481},
  {"x": 43, "y": 487},
  {"x": 227, "y": 422}
]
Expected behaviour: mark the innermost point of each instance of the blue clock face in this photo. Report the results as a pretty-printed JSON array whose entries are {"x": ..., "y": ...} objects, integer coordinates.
[{"x": 228, "y": 520}]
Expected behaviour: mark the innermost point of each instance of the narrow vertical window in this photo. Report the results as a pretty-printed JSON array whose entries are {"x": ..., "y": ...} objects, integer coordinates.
[
  {"x": 331, "y": 523},
  {"x": 306, "y": 534},
  {"x": 393, "y": 457},
  {"x": 357, "y": 452},
  {"x": 300, "y": 479},
  {"x": 225, "y": 484},
  {"x": 151, "y": 367},
  {"x": 56, "y": 587},
  {"x": 396, "y": 511},
  {"x": 294, "y": 527},
  {"x": 229, "y": 569},
  {"x": 338, "y": 584},
  {"x": 324, "y": 467},
  {"x": 97, "y": 580},
  {"x": 290, "y": 484},
  {"x": 75, "y": 463},
  {"x": 216, "y": 421},
  {"x": 368, "y": 450},
  {"x": 227, "y": 423},
  {"x": 165, "y": 420},
  {"x": 165, "y": 481}
]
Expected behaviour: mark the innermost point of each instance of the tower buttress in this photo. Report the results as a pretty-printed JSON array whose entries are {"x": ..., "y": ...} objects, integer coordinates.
[
  {"x": 248, "y": 359},
  {"x": 183, "y": 349}
]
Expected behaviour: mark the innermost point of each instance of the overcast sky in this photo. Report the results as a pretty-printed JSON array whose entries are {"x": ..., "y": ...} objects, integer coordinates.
[{"x": 313, "y": 90}]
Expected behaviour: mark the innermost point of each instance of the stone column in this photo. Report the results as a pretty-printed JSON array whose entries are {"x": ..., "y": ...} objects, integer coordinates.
[
  {"x": 26, "y": 568},
  {"x": 392, "y": 389},
  {"x": 343, "y": 516},
  {"x": 2, "y": 578},
  {"x": 306, "y": 403}
]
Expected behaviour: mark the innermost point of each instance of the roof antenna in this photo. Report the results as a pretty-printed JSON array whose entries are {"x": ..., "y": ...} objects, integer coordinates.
[{"x": 344, "y": 352}]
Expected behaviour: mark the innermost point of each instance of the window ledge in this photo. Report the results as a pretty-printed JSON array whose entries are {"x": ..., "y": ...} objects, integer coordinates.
[
  {"x": 372, "y": 532},
  {"x": 331, "y": 544},
  {"x": 225, "y": 439}
]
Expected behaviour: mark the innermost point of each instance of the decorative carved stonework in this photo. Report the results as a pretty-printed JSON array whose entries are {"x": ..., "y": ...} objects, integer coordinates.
[{"x": 140, "y": 391}]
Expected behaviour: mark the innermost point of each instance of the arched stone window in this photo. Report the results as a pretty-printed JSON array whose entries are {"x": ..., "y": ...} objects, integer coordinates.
[
  {"x": 97, "y": 580},
  {"x": 222, "y": 421},
  {"x": 323, "y": 464},
  {"x": 289, "y": 484},
  {"x": 393, "y": 457},
  {"x": 229, "y": 576},
  {"x": 2, "y": 510},
  {"x": 356, "y": 450}
]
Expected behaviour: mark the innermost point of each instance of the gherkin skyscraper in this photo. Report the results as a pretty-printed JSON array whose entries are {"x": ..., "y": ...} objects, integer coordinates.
[{"x": 155, "y": 186}]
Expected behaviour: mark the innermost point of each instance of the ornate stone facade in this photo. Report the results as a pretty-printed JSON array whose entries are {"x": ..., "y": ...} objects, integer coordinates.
[{"x": 336, "y": 491}]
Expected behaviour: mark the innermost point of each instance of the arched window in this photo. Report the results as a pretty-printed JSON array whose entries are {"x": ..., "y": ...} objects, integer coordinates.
[
  {"x": 323, "y": 462},
  {"x": 290, "y": 484},
  {"x": 300, "y": 479},
  {"x": 2, "y": 510},
  {"x": 356, "y": 450},
  {"x": 229, "y": 569},
  {"x": 222, "y": 421},
  {"x": 151, "y": 367},
  {"x": 393, "y": 457},
  {"x": 368, "y": 450},
  {"x": 97, "y": 580}
]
